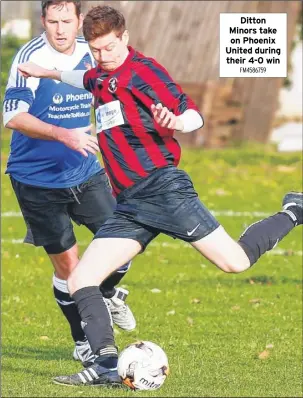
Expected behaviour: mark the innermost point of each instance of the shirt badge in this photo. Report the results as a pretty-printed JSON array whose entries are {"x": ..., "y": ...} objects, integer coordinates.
[{"x": 113, "y": 85}]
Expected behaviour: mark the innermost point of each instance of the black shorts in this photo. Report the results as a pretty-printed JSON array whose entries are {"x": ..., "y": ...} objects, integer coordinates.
[
  {"x": 48, "y": 211},
  {"x": 166, "y": 202}
]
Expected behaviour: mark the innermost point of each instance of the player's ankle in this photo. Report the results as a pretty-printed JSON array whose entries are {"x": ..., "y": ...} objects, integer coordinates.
[
  {"x": 110, "y": 351},
  {"x": 296, "y": 214},
  {"x": 108, "y": 357}
]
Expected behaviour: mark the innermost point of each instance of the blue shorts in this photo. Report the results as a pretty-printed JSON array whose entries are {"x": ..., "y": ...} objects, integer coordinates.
[{"x": 166, "y": 202}]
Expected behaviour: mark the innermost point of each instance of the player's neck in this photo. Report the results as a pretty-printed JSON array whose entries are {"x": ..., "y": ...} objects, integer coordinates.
[
  {"x": 70, "y": 50},
  {"x": 123, "y": 58}
]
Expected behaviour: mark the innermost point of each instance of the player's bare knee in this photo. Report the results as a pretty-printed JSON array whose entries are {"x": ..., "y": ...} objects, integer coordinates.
[
  {"x": 64, "y": 265},
  {"x": 80, "y": 278},
  {"x": 235, "y": 266},
  {"x": 62, "y": 273}
]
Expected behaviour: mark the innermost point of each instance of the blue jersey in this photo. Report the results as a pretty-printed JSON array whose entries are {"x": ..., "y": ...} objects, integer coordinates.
[{"x": 39, "y": 162}]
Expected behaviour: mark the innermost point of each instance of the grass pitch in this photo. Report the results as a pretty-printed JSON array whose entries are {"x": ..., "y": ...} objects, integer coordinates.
[{"x": 225, "y": 335}]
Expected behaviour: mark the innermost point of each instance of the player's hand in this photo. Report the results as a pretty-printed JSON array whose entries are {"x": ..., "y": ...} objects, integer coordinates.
[
  {"x": 165, "y": 118},
  {"x": 78, "y": 140},
  {"x": 30, "y": 69}
]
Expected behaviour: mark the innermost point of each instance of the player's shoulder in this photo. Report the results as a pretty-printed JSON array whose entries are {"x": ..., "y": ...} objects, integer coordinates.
[
  {"x": 81, "y": 41},
  {"x": 83, "y": 47},
  {"x": 30, "y": 48},
  {"x": 148, "y": 64},
  {"x": 141, "y": 59}
]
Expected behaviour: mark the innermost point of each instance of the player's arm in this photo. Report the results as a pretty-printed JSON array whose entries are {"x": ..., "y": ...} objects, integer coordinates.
[
  {"x": 171, "y": 107},
  {"x": 19, "y": 97},
  {"x": 190, "y": 120},
  {"x": 75, "y": 139},
  {"x": 74, "y": 78}
]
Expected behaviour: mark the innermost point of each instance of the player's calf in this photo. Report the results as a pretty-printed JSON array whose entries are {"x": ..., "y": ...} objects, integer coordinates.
[{"x": 264, "y": 235}]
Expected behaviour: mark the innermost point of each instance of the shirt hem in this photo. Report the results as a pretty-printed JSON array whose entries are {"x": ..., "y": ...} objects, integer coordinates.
[{"x": 54, "y": 186}]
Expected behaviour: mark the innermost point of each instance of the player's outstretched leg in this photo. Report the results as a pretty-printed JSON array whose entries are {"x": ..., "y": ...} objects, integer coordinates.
[{"x": 257, "y": 239}]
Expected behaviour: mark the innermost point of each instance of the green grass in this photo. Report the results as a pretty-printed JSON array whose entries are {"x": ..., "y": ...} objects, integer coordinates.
[{"x": 212, "y": 325}]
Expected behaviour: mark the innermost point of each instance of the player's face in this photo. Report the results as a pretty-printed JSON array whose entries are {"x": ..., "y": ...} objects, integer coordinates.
[
  {"x": 61, "y": 25},
  {"x": 110, "y": 51}
]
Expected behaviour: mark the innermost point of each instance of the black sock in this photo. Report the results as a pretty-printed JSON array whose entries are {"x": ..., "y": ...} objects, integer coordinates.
[
  {"x": 265, "y": 234},
  {"x": 68, "y": 308},
  {"x": 96, "y": 321},
  {"x": 107, "y": 287},
  {"x": 298, "y": 213},
  {"x": 107, "y": 361}
]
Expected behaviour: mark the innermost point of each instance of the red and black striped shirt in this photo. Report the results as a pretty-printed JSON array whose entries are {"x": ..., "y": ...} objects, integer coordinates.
[{"x": 138, "y": 145}]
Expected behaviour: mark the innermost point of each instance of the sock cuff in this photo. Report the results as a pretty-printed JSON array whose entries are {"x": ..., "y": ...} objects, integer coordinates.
[
  {"x": 60, "y": 284},
  {"x": 124, "y": 268},
  {"x": 291, "y": 215},
  {"x": 109, "y": 350}
]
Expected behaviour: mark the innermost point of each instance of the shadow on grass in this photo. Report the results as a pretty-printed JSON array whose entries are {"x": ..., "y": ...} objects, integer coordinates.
[
  {"x": 39, "y": 353},
  {"x": 232, "y": 281},
  {"x": 269, "y": 280},
  {"x": 18, "y": 368}
]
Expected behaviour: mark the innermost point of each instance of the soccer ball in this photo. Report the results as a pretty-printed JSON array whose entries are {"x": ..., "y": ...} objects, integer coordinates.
[{"x": 143, "y": 366}]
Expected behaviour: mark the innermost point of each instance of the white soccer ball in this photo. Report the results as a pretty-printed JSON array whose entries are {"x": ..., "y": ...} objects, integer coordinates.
[{"x": 143, "y": 366}]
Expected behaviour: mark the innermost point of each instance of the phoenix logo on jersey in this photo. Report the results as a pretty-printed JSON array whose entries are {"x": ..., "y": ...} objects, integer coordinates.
[{"x": 57, "y": 99}]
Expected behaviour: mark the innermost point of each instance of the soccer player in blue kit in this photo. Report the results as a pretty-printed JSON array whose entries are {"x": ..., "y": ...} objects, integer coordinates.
[
  {"x": 138, "y": 107},
  {"x": 53, "y": 166}
]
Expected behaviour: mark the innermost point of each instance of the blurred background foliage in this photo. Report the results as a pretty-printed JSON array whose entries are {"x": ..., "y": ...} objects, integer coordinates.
[{"x": 9, "y": 47}]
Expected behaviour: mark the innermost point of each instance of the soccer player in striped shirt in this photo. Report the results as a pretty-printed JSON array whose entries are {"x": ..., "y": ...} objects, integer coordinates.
[
  {"x": 53, "y": 166},
  {"x": 138, "y": 107}
]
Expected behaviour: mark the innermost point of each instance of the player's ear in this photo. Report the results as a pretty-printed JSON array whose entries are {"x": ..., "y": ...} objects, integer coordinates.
[
  {"x": 125, "y": 37},
  {"x": 42, "y": 21},
  {"x": 81, "y": 17}
]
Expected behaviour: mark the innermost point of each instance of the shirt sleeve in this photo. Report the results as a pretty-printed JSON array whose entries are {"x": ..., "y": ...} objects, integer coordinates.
[
  {"x": 19, "y": 93},
  {"x": 73, "y": 78},
  {"x": 89, "y": 80},
  {"x": 154, "y": 80}
]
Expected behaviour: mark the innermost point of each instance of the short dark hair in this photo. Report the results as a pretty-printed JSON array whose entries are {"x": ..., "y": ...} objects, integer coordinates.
[
  {"x": 101, "y": 20},
  {"x": 46, "y": 3}
]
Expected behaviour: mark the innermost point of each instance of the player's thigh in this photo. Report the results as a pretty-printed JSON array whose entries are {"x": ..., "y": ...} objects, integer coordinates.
[
  {"x": 102, "y": 257},
  {"x": 117, "y": 242},
  {"x": 46, "y": 216},
  {"x": 222, "y": 250},
  {"x": 97, "y": 203}
]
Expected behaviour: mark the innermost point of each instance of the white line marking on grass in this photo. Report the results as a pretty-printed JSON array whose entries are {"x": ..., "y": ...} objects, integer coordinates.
[
  {"x": 177, "y": 246},
  {"x": 11, "y": 214},
  {"x": 232, "y": 213},
  {"x": 216, "y": 213}
]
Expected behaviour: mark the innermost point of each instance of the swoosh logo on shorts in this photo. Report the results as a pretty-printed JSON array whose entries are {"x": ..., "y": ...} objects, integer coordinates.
[{"x": 189, "y": 233}]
